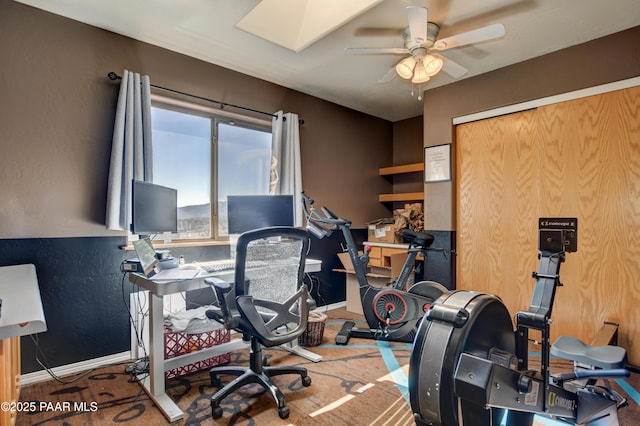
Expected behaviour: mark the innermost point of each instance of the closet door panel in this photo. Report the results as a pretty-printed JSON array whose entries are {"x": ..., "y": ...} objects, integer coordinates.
[{"x": 579, "y": 158}]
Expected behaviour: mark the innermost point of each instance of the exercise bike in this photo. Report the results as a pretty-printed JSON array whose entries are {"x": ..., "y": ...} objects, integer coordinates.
[
  {"x": 392, "y": 313},
  {"x": 468, "y": 365}
]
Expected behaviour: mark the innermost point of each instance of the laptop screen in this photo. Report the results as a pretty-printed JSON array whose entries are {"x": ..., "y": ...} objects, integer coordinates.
[{"x": 146, "y": 254}]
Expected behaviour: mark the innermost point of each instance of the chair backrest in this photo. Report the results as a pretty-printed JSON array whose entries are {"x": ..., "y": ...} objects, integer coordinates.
[
  {"x": 270, "y": 262},
  {"x": 269, "y": 289}
]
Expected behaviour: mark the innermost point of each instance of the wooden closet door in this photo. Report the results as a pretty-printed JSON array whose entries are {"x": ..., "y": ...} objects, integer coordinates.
[{"x": 579, "y": 158}]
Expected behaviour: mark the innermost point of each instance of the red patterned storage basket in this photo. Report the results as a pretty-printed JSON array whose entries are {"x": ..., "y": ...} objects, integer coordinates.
[{"x": 176, "y": 344}]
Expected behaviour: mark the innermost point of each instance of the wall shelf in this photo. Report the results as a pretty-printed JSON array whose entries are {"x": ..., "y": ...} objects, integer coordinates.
[
  {"x": 403, "y": 196},
  {"x": 405, "y": 168}
]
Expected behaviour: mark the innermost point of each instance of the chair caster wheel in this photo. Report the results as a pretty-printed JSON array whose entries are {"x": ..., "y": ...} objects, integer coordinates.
[
  {"x": 216, "y": 412},
  {"x": 306, "y": 381},
  {"x": 283, "y": 412}
]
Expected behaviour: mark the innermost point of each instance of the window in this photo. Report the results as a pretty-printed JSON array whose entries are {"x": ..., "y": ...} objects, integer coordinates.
[{"x": 208, "y": 157}]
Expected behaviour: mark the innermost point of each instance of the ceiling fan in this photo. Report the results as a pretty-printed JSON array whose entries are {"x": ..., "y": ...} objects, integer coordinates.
[{"x": 420, "y": 40}]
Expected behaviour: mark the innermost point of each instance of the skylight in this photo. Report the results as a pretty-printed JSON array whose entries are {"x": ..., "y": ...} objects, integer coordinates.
[{"x": 296, "y": 24}]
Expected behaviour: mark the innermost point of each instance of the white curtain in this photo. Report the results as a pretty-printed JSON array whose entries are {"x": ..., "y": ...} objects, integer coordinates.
[
  {"x": 286, "y": 176},
  {"x": 131, "y": 152}
]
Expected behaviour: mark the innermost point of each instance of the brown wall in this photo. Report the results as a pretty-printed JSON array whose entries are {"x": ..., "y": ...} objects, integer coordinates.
[
  {"x": 618, "y": 58},
  {"x": 407, "y": 141},
  {"x": 56, "y": 117},
  {"x": 407, "y": 149}
]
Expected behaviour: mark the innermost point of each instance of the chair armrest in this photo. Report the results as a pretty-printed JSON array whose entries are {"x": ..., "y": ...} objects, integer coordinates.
[
  {"x": 218, "y": 283},
  {"x": 225, "y": 296}
]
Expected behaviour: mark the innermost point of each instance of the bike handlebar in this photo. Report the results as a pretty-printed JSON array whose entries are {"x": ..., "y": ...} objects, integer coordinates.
[{"x": 328, "y": 218}]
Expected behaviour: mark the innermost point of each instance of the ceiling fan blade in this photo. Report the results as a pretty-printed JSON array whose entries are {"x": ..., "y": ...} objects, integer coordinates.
[
  {"x": 475, "y": 36},
  {"x": 390, "y": 75},
  {"x": 418, "y": 18},
  {"x": 378, "y": 32},
  {"x": 454, "y": 69},
  {"x": 376, "y": 51}
]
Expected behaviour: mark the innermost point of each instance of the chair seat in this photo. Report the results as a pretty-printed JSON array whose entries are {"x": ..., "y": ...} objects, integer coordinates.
[{"x": 605, "y": 357}]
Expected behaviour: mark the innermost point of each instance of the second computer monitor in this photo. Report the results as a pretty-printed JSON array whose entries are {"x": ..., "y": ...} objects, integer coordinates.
[{"x": 248, "y": 212}]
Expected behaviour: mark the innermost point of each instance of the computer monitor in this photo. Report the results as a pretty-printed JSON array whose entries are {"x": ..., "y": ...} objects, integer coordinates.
[
  {"x": 154, "y": 208},
  {"x": 248, "y": 212}
]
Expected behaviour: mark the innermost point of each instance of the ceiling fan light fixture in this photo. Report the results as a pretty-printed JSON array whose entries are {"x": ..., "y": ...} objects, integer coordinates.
[
  {"x": 405, "y": 67},
  {"x": 420, "y": 74},
  {"x": 432, "y": 65}
]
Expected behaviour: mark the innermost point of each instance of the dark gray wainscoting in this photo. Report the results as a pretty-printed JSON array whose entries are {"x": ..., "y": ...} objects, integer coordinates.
[{"x": 86, "y": 298}]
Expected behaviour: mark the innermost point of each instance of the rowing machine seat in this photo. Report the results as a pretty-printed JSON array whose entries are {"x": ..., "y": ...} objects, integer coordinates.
[{"x": 605, "y": 357}]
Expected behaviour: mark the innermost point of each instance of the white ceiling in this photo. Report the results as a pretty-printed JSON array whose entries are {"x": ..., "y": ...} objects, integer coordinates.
[{"x": 205, "y": 29}]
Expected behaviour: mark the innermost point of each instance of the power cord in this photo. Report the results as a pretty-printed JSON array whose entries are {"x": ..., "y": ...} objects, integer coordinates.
[
  {"x": 41, "y": 357},
  {"x": 141, "y": 366},
  {"x": 137, "y": 369},
  {"x": 42, "y": 361}
]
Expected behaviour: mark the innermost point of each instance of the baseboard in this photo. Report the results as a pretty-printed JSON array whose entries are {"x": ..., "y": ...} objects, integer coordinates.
[
  {"x": 331, "y": 306},
  {"x": 78, "y": 367}
]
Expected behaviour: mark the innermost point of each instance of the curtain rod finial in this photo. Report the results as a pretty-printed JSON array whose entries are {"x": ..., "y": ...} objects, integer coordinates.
[{"x": 113, "y": 76}]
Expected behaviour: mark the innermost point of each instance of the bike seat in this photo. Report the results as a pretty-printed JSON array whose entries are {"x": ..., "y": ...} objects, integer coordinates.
[
  {"x": 421, "y": 239},
  {"x": 605, "y": 357}
]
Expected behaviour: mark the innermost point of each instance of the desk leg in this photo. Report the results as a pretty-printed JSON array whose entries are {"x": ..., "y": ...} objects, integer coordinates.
[
  {"x": 294, "y": 348},
  {"x": 154, "y": 384}
]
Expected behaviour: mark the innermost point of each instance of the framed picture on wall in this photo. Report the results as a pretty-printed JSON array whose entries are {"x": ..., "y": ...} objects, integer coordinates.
[{"x": 437, "y": 163}]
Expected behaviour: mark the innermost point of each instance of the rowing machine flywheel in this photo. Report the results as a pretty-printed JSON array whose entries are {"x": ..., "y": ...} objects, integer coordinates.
[{"x": 457, "y": 322}]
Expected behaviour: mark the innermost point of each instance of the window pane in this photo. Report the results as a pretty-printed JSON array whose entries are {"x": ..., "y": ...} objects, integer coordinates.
[
  {"x": 244, "y": 164},
  {"x": 182, "y": 160}
]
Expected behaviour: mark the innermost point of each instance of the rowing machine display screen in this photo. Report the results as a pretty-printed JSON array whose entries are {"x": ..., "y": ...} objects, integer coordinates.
[{"x": 557, "y": 235}]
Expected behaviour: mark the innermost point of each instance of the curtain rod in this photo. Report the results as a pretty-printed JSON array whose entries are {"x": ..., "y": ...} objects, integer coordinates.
[{"x": 113, "y": 76}]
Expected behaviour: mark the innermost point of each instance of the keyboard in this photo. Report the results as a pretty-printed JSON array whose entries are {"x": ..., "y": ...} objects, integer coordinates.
[
  {"x": 219, "y": 266},
  {"x": 229, "y": 265}
]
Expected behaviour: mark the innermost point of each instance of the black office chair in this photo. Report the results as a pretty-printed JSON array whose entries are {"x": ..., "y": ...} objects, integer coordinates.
[{"x": 267, "y": 303}]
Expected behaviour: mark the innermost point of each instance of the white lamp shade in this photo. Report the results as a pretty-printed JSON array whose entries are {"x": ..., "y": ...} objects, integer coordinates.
[
  {"x": 420, "y": 74},
  {"x": 405, "y": 67},
  {"x": 432, "y": 65}
]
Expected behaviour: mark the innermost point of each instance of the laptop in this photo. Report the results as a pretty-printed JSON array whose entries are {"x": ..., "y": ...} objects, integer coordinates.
[{"x": 149, "y": 263}]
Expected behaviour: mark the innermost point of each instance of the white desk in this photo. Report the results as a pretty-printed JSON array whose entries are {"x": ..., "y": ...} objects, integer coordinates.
[
  {"x": 21, "y": 313},
  {"x": 154, "y": 383}
]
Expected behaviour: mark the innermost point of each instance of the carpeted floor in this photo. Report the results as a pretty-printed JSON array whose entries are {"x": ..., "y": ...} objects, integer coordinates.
[{"x": 363, "y": 383}]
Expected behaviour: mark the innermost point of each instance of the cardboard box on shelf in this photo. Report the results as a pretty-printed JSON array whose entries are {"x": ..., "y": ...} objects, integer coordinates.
[
  {"x": 386, "y": 230},
  {"x": 382, "y": 231}
]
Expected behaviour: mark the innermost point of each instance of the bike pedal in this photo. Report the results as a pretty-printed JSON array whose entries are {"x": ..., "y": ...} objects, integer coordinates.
[{"x": 343, "y": 335}]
